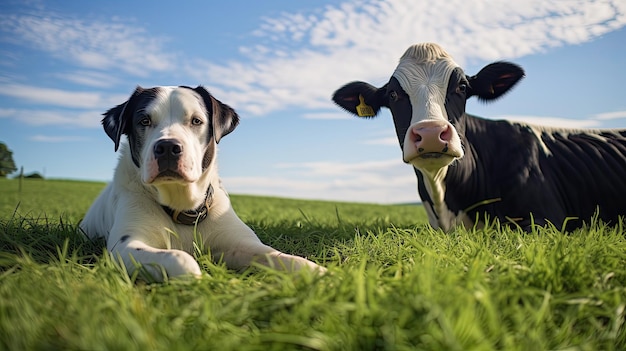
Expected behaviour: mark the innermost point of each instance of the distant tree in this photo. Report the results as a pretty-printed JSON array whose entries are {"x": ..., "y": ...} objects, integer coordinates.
[
  {"x": 34, "y": 175},
  {"x": 7, "y": 166}
]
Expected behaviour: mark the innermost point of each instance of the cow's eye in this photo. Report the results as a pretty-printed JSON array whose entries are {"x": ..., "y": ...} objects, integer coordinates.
[
  {"x": 146, "y": 122},
  {"x": 196, "y": 121},
  {"x": 393, "y": 96},
  {"x": 461, "y": 88}
]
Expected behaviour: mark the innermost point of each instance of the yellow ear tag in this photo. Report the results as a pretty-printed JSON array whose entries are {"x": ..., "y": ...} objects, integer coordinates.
[{"x": 364, "y": 110}]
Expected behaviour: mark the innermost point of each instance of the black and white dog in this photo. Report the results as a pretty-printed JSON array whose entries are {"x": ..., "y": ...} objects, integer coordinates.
[{"x": 166, "y": 191}]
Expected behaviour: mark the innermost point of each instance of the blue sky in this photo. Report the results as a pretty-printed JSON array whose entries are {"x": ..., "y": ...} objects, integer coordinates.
[{"x": 63, "y": 63}]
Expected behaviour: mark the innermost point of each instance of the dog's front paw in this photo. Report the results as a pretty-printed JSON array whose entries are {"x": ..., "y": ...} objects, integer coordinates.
[
  {"x": 294, "y": 263},
  {"x": 162, "y": 264},
  {"x": 180, "y": 263},
  {"x": 314, "y": 267}
]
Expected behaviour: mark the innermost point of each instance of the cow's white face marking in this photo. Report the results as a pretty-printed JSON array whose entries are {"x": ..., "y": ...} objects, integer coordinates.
[
  {"x": 424, "y": 73},
  {"x": 426, "y": 83}
]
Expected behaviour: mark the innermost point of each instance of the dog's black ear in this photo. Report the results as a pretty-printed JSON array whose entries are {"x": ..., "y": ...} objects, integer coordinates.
[
  {"x": 117, "y": 120},
  {"x": 224, "y": 119}
]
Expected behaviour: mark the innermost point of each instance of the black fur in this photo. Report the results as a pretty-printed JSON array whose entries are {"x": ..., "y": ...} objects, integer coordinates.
[
  {"x": 125, "y": 118},
  {"x": 223, "y": 119}
]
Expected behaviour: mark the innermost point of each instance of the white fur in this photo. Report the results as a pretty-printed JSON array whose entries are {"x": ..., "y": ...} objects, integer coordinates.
[
  {"x": 424, "y": 73},
  {"x": 131, "y": 204}
]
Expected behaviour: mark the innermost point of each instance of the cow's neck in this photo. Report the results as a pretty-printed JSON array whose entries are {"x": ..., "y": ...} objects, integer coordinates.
[
  {"x": 445, "y": 193},
  {"x": 432, "y": 189}
]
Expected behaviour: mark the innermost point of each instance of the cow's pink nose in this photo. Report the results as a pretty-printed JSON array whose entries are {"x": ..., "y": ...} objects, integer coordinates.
[{"x": 431, "y": 137}]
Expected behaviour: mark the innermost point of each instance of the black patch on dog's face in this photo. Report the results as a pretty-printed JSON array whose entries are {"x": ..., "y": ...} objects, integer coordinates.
[
  {"x": 222, "y": 120},
  {"x": 132, "y": 119},
  {"x": 128, "y": 118},
  {"x": 209, "y": 154}
]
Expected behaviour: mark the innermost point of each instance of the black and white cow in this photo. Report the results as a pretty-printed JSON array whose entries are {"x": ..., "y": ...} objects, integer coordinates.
[{"x": 469, "y": 168}]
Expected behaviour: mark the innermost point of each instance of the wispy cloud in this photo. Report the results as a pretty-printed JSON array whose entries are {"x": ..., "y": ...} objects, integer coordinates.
[
  {"x": 300, "y": 58},
  {"x": 381, "y": 193},
  {"x": 611, "y": 115},
  {"x": 327, "y": 115},
  {"x": 595, "y": 121},
  {"x": 382, "y": 141},
  {"x": 310, "y": 55},
  {"x": 359, "y": 181},
  {"x": 89, "y": 78},
  {"x": 92, "y": 44},
  {"x": 80, "y": 119},
  {"x": 553, "y": 121},
  {"x": 57, "y": 138},
  {"x": 337, "y": 168},
  {"x": 60, "y": 97}
]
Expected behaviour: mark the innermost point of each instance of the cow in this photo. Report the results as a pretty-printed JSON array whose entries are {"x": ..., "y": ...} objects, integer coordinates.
[{"x": 471, "y": 170}]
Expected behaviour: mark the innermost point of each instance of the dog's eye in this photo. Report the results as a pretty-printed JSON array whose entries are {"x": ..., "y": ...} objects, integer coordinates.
[
  {"x": 146, "y": 122},
  {"x": 196, "y": 121}
]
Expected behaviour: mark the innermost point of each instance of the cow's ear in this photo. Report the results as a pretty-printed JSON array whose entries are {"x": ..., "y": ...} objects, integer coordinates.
[
  {"x": 494, "y": 80},
  {"x": 361, "y": 99},
  {"x": 117, "y": 120},
  {"x": 224, "y": 119}
]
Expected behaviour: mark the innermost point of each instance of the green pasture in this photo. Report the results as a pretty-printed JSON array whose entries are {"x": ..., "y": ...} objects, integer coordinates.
[{"x": 393, "y": 283}]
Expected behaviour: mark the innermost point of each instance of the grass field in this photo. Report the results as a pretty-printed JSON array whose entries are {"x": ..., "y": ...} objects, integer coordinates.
[{"x": 393, "y": 283}]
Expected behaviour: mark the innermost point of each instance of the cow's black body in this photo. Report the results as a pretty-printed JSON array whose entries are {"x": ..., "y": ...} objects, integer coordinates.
[{"x": 508, "y": 174}]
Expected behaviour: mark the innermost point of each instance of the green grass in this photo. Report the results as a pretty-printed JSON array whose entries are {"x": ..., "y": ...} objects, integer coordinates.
[
  {"x": 40, "y": 198},
  {"x": 394, "y": 283}
]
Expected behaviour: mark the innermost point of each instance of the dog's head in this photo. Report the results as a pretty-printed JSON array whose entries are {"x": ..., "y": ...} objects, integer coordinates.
[{"x": 172, "y": 131}]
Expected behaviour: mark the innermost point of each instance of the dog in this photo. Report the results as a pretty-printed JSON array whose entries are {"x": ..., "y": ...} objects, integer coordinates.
[{"x": 166, "y": 195}]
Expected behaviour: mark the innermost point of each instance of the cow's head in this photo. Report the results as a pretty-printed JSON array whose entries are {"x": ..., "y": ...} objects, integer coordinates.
[{"x": 426, "y": 95}]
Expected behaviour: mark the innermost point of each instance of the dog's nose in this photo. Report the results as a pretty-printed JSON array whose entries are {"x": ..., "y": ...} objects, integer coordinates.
[{"x": 168, "y": 148}]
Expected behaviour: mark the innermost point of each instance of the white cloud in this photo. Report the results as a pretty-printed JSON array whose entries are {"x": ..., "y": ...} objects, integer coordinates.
[
  {"x": 611, "y": 115},
  {"x": 91, "y": 44},
  {"x": 293, "y": 188},
  {"x": 595, "y": 121},
  {"x": 382, "y": 141},
  {"x": 90, "y": 78},
  {"x": 387, "y": 181},
  {"x": 327, "y": 115},
  {"x": 57, "y": 138},
  {"x": 300, "y": 58},
  {"x": 337, "y": 168},
  {"x": 59, "y": 97},
  {"x": 552, "y": 121},
  {"x": 81, "y": 119},
  {"x": 362, "y": 40}
]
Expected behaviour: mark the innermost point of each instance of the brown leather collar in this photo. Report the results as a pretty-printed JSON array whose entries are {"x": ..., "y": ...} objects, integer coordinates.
[{"x": 191, "y": 217}]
